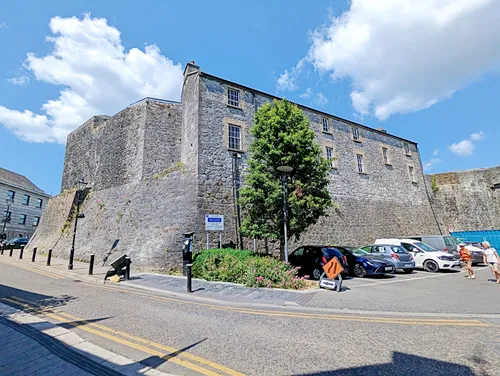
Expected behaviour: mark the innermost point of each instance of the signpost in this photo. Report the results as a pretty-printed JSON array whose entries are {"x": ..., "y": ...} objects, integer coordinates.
[
  {"x": 214, "y": 222},
  {"x": 333, "y": 269}
]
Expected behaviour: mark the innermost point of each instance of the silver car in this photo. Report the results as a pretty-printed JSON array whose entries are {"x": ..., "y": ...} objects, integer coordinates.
[{"x": 396, "y": 254}]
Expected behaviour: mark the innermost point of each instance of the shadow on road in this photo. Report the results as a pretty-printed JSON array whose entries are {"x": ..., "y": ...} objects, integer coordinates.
[
  {"x": 43, "y": 300},
  {"x": 156, "y": 361},
  {"x": 403, "y": 364}
]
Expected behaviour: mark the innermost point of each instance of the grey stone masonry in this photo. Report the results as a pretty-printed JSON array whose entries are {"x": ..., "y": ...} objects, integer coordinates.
[{"x": 157, "y": 167}]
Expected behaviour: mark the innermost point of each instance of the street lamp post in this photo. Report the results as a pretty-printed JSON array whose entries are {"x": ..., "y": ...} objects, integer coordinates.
[
  {"x": 80, "y": 185},
  {"x": 6, "y": 218},
  {"x": 285, "y": 170}
]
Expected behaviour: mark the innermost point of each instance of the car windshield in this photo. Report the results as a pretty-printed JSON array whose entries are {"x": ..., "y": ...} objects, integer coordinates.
[
  {"x": 425, "y": 247},
  {"x": 360, "y": 252},
  {"x": 449, "y": 241}
]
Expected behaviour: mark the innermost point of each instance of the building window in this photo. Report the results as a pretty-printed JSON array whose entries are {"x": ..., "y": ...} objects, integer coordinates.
[
  {"x": 26, "y": 200},
  {"x": 355, "y": 134},
  {"x": 36, "y": 221},
  {"x": 11, "y": 195},
  {"x": 385, "y": 154},
  {"x": 411, "y": 171},
  {"x": 234, "y": 137},
  {"x": 407, "y": 148},
  {"x": 7, "y": 214},
  {"x": 22, "y": 219},
  {"x": 233, "y": 97},
  {"x": 361, "y": 163},
  {"x": 329, "y": 156},
  {"x": 39, "y": 203},
  {"x": 326, "y": 125}
]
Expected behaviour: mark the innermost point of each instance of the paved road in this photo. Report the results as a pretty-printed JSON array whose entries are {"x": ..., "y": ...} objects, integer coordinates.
[{"x": 191, "y": 338}]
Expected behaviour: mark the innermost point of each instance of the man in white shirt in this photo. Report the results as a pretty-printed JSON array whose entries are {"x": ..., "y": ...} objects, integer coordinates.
[{"x": 490, "y": 258}]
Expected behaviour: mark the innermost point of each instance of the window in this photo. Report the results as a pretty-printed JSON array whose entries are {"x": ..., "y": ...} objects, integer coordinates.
[
  {"x": 39, "y": 203},
  {"x": 326, "y": 125},
  {"x": 233, "y": 97},
  {"x": 355, "y": 134},
  {"x": 385, "y": 154},
  {"x": 22, "y": 219},
  {"x": 36, "y": 221},
  {"x": 361, "y": 163},
  {"x": 7, "y": 214},
  {"x": 407, "y": 148},
  {"x": 11, "y": 195},
  {"x": 26, "y": 200},
  {"x": 234, "y": 137},
  {"x": 411, "y": 171},
  {"x": 329, "y": 155}
]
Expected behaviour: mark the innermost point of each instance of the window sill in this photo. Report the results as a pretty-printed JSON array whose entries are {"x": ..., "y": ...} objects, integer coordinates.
[
  {"x": 414, "y": 183},
  {"x": 236, "y": 150},
  {"x": 363, "y": 173},
  {"x": 237, "y": 107},
  {"x": 388, "y": 164},
  {"x": 358, "y": 141},
  {"x": 408, "y": 155},
  {"x": 328, "y": 133}
]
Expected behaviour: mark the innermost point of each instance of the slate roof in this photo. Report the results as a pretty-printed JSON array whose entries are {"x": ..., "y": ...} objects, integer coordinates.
[{"x": 20, "y": 181}]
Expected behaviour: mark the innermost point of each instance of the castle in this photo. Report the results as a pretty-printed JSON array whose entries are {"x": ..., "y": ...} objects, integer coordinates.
[{"x": 157, "y": 167}]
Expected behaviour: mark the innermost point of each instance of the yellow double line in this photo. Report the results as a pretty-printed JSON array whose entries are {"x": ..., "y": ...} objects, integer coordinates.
[
  {"x": 172, "y": 355},
  {"x": 18, "y": 264}
]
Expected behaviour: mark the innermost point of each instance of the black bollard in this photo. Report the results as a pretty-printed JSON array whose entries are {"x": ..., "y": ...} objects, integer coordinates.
[
  {"x": 21, "y": 252},
  {"x": 127, "y": 267},
  {"x": 189, "y": 285},
  {"x": 34, "y": 255},
  {"x": 49, "y": 257},
  {"x": 91, "y": 265},
  {"x": 1, "y": 249},
  {"x": 11, "y": 250}
]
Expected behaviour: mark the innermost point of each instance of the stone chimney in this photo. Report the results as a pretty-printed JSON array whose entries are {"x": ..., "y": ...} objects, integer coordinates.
[{"x": 191, "y": 67}]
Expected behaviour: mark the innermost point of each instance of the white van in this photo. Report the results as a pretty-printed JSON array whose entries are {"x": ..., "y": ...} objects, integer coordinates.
[{"x": 425, "y": 256}]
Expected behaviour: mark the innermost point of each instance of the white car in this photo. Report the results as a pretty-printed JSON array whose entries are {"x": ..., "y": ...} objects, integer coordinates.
[{"x": 426, "y": 257}]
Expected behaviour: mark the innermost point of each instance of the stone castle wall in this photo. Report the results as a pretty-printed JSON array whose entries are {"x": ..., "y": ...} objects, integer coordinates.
[{"x": 465, "y": 200}]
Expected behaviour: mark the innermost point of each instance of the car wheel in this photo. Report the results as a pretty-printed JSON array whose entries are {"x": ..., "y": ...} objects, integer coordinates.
[
  {"x": 316, "y": 274},
  {"x": 359, "y": 271},
  {"x": 408, "y": 271},
  {"x": 431, "y": 266}
]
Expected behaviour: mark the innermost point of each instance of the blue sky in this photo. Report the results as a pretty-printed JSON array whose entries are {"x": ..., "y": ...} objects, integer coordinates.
[{"x": 430, "y": 74}]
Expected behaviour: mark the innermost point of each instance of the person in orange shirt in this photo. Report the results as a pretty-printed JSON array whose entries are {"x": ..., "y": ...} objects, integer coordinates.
[{"x": 466, "y": 260}]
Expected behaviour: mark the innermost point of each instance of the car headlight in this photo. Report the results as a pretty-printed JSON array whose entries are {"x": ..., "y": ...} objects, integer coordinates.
[
  {"x": 445, "y": 258},
  {"x": 371, "y": 263}
]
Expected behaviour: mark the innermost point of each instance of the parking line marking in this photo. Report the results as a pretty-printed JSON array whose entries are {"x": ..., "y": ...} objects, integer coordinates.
[
  {"x": 113, "y": 338},
  {"x": 169, "y": 349},
  {"x": 403, "y": 280}
]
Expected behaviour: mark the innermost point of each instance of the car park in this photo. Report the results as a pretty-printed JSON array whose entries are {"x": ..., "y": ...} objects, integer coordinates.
[
  {"x": 312, "y": 258},
  {"x": 397, "y": 255},
  {"x": 444, "y": 243},
  {"x": 362, "y": 263},
  {"x": 425, "y": 256}
]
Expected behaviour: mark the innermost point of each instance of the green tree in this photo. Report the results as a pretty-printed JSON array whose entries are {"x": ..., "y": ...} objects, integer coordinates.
[{"x": 281, "y": 136}]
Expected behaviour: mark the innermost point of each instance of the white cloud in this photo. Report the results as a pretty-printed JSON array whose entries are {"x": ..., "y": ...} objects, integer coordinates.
[
  {"x": 19, "y": 81},
  {"x": 465, "y": 148},
  {"x": 97, "y": 75},
  {"x": 429, "y": 165},
  {"x": 405, "y": 55},
  {"x": 3, "y": 25},
  {"x": 435, "y": 152},
  {"x": 286, "y": 81},
  {"x": 307, "y": 94},
  {"x": 321, "y": 100},
  {"x": 477, "y": 136}
]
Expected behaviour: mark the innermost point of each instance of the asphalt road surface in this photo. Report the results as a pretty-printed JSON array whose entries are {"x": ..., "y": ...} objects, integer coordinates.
[{"x": 192, "y": 337}]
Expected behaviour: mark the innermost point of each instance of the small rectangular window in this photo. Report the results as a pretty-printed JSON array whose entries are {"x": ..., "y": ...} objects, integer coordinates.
[
  {"x": 411, "y": 171},
  {"x": 329, "y": 156},
  {"x": 7, "y": 214},
  {"x": 385, "y": 154},
  {"x": 361, "y": 163},
  {"x": 407, "y": 148},
  {"x": 11, "y": 195},
  {"x": 233, "y": 97},
  {"x": 26, "y": 200},
  {"x": 39, "y": 203},
  {"x": 326, "y": 125},
  {"x": 355, "y": 133},
  {"x": 36, "y": 221},
  {"x": 22, "y": 219},
  {"x": 234, "y": 137}
]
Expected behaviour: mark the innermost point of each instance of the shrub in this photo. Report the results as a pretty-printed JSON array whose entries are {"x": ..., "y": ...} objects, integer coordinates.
[{"x": 230, "y": 265}]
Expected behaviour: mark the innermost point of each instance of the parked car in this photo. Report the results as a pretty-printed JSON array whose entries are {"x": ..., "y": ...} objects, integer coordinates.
[
  {"x": 444, "y": 243},
  {"x": 425, "y": 256},
  {"x": 400, "y": 257},
  {"x": 312, "y": 258},
  {"x": 362, "y": 263},
  {"x": 17, "y": 242},
  {"x": 476, "y": 252}
]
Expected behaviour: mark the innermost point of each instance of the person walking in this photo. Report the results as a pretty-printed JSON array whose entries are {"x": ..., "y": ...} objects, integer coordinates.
[
  {"x": 490, "y": 258},
  {"x": 466, "y": 260}
]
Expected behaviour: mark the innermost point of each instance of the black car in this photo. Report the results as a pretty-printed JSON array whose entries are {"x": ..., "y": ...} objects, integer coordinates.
[
  {"x": 312, "y": 258},
  {"x": 16, "y": 242},
  {"x": 362, "y": 263}
]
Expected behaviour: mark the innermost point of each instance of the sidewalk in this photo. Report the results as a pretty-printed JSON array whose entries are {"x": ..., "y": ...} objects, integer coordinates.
[{"x": 33, "y": 346}]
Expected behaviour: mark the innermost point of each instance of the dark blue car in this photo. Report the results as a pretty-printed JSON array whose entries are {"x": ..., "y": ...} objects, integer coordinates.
[{"x": 362, "y": 263}]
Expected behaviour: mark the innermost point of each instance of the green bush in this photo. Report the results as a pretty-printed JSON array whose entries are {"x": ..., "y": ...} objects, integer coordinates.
[{"x": 231, "y": 265}]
